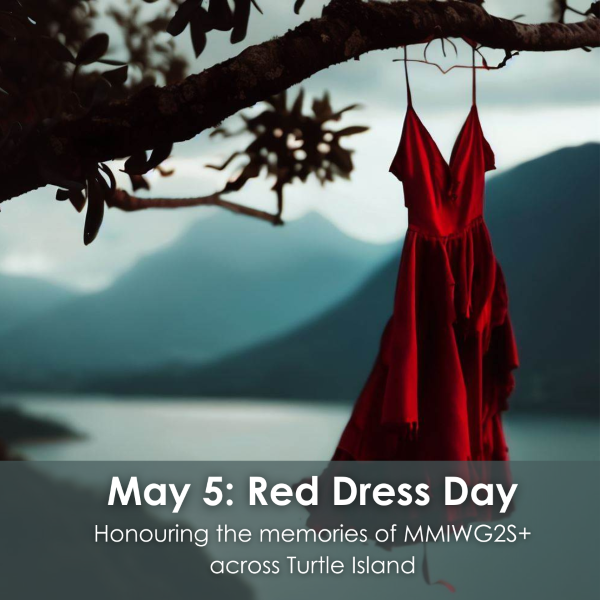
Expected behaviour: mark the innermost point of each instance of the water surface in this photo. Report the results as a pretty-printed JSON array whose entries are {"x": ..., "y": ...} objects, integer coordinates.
[{"x": 217, "y": 429}]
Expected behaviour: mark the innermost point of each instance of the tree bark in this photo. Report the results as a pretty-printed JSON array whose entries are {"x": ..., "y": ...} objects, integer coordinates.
[{"x": 346, "y": 30}]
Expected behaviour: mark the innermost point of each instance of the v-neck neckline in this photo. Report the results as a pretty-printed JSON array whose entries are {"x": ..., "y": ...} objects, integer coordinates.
[{"x": 447, "y": 163}]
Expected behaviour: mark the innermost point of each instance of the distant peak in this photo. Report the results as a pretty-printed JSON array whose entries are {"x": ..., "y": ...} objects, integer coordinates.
[{"x": 314, "y": 219}]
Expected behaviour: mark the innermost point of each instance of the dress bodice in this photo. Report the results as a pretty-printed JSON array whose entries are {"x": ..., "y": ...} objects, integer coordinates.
[{"x": 443, "y": 198}]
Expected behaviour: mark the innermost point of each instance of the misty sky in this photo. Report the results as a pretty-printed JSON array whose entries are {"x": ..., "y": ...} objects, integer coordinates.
[{"x": 539, "y": 103}]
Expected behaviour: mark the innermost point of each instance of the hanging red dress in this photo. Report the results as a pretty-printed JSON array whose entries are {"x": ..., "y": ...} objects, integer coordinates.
[{"x": 444, "y": 370}]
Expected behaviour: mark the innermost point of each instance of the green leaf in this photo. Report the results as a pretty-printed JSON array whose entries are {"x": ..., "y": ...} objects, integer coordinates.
[
  {"x": 95, "y": 211},
  {"x": 241, "y": 16},
  {"x": 93, "y": 49},
  {"x": 111, "y": 178},
  {"x": 351, "y": 131},
  {"x": 77, "y": 199},
  {"x": 258, "y": 8},
  {"x": 136, "y": 164},
  {"x": 341, "y": 158},
  {"x": 116, "y": 76},
  {"x": 220, "y": 14},
  {"x": 138, "y": 183},
  {"x": 159, "y": 154},
  {"x": 111, "y": 62},
  {"x": 251, "y": 170},
  {"x": 297, "y": 106},
  {"x": 181, "y": 19},
  {"x": 336, "y": 116}
]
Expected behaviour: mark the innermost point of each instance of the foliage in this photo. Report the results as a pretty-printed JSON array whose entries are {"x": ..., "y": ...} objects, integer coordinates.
[
  {"x": 290, "y": 145},
  {"x": 217, "y": 15},
  {"x": 53, "y": 66},
  {"x": 55, "y": 69},
  {"x": 561, "y": 7}
]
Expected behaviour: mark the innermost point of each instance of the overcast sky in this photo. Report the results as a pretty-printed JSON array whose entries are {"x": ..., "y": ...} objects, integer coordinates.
[{"x": 539, "y": 103}]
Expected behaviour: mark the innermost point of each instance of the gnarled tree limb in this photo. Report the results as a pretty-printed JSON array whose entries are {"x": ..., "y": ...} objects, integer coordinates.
[{"x": 347, "y": 29}]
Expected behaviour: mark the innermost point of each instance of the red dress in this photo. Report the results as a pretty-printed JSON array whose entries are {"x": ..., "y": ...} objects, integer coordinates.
[{"x": 443, "y": 373}]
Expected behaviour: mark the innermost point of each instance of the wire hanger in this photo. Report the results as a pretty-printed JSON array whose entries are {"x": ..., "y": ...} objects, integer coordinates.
[{"x": 476, "y": 49}]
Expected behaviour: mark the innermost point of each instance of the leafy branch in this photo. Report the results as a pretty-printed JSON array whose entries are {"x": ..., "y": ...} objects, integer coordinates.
[{"x": 58, "y": 134}]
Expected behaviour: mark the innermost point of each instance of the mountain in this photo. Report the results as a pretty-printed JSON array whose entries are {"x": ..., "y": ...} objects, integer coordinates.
[
  {"x": 327, "y": 359},
  {"x": 544, "y": 219},
  {"x": 24, "y": 298},
  {"x": 228, "y": 284},
  {"x": 545, "y": 223}
]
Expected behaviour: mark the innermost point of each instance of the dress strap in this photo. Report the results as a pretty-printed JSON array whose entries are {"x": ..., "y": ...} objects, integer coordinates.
[
  {"x": 408, "y": 93},
  {"x": 474, "y": 79}
]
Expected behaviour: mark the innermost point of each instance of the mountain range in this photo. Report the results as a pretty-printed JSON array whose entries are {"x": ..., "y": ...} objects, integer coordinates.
[
  {"x": 234, "y": 310},
  {"x": 229, "y": 283},
  {"x": 544, "y": 221}
]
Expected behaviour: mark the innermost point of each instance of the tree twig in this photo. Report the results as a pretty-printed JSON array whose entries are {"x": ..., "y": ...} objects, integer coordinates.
[{"x": 128, "y": 203}]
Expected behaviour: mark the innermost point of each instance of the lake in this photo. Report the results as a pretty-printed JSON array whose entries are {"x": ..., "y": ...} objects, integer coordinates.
[{"x": 217, "y": 429}]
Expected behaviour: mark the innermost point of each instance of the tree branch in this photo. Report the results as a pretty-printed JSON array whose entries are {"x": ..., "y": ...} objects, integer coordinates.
[
  {"x": 124, "y": 201},
  {"x": 347, "y": 29}
]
